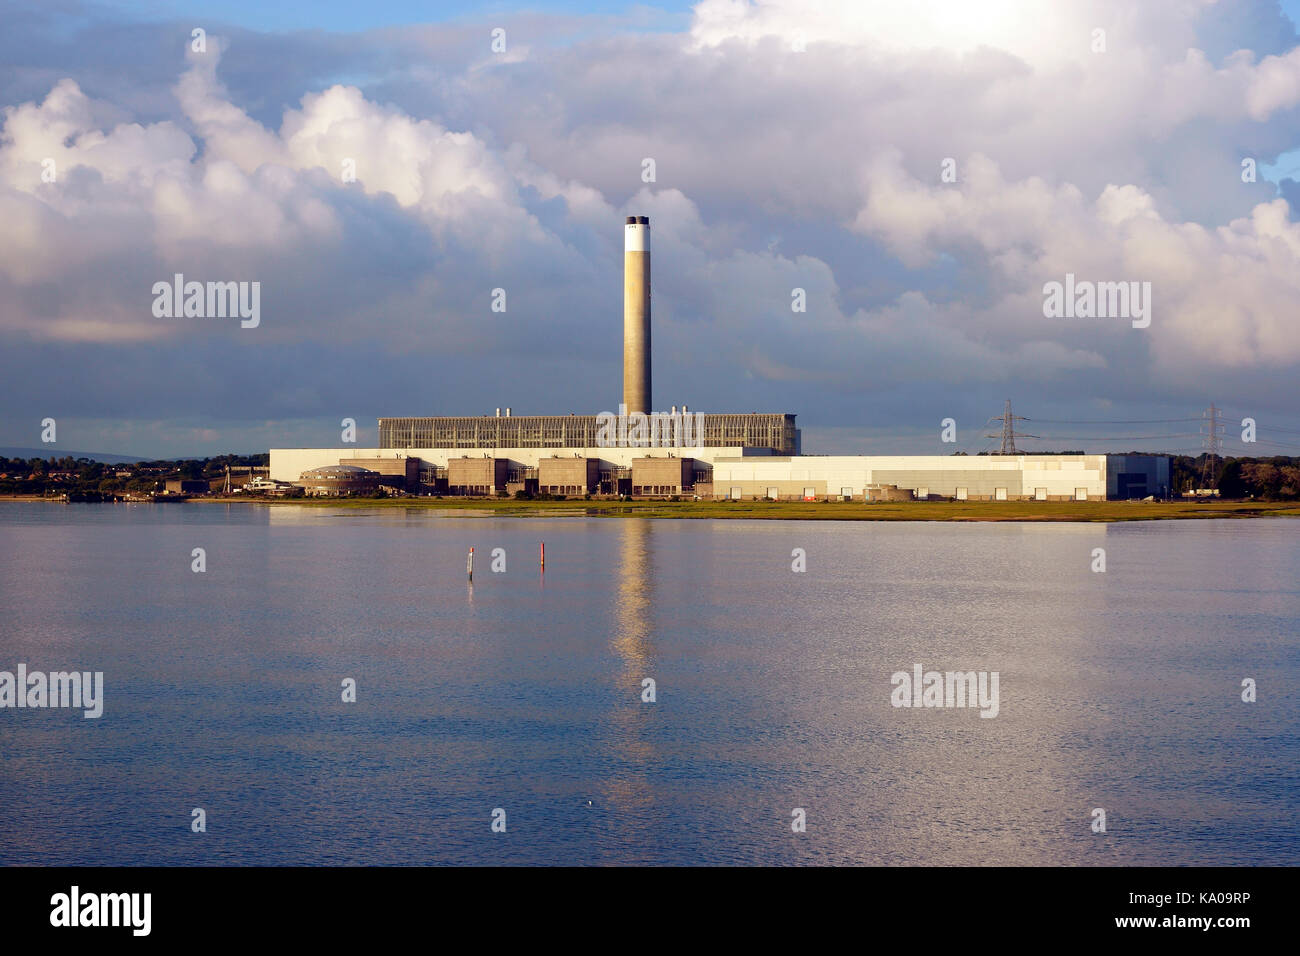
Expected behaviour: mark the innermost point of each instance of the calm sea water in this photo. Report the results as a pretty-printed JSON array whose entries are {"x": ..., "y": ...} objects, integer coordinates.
[{"x": 1119, "y": 690}]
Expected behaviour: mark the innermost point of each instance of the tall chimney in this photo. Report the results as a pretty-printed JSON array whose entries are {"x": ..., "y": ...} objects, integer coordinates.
[{"x": 636, "y": 314}]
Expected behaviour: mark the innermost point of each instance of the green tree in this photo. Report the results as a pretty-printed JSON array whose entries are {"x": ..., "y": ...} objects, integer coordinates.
[{"x": 1232, "y": 484}]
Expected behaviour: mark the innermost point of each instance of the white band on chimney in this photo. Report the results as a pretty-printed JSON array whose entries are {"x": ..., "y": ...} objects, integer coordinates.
[{"x": 636, "y": 237}]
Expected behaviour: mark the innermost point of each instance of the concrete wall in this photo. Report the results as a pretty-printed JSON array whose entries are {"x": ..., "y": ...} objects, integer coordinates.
[
  {"x": 670, "y": 475},
  {"x": 408, "y": 469},
  {"x": 477, "y": 475},
  {"x": 288, "y": 464},
  {"x": 568, "y": 475}
]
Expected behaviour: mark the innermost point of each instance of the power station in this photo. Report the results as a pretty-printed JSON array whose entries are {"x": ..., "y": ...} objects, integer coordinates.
[{"x": 638, "y": 451}]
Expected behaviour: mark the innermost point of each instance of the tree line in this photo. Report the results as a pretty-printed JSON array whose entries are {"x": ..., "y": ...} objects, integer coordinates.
[{"x": 57, "y": 475}]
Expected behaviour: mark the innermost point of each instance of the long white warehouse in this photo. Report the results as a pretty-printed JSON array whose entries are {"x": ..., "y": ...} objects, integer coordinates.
[
  {"x": 975, "y": 478},
  {"x": 749, "y": 473}
]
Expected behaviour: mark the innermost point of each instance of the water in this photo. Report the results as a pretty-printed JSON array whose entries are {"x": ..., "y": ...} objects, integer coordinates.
[{"x": 1118, "y": 690}]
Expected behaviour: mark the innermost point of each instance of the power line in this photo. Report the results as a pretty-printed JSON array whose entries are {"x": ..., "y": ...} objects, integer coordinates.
[
  {"x": 1097, "y": 421},
  {"x": 1223, "y": 413},
  {"x": 1210, "y": 434},
  {"x": 1117, "y": 437}
]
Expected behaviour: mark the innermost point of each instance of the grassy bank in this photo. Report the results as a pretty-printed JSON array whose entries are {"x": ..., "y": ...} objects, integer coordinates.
[
  {"x": 831, "y": 511},
  {"x": 794, "y": 510}
]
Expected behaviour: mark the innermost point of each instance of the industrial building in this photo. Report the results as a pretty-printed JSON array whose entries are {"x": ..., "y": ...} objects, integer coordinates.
[
  {"x": 400, "y": 473},
  {"x": 477, "y": 476},
  {"x": 664, "y": 454},
  {"x": 663, "y": 477},
  {"x": 1137, "y": 476},
  {"x": 184, "y": 486},
  {"x": 878, "y": 478},
  {"x": 569, "y": 476},
  {"x": 337, "y": 480},
  {"x": 768, "y": 433}
]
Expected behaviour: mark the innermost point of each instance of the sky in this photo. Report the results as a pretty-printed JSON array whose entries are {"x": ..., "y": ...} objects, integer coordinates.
[{"x": 918, "y": 173}]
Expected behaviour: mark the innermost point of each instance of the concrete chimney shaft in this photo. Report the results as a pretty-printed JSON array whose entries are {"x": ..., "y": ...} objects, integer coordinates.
[{"x": 636, "y": 314}]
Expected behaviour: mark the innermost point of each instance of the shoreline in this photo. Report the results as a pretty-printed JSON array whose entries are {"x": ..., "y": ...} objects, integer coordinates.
[{"x": 1016, "y": 511}]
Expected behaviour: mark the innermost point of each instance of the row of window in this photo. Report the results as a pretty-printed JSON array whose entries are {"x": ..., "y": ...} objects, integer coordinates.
[
  {"x": 963, "y": 494},
  {"x": 755, "y": 430}
]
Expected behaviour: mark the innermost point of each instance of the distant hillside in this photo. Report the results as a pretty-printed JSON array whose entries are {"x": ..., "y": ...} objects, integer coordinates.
[{"x": 57, "y": 452}]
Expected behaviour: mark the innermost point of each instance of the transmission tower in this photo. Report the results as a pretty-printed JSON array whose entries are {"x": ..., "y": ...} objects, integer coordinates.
[
  {"x": 1212, "y": 443},
  {"x": 1009, "y": 433}
]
